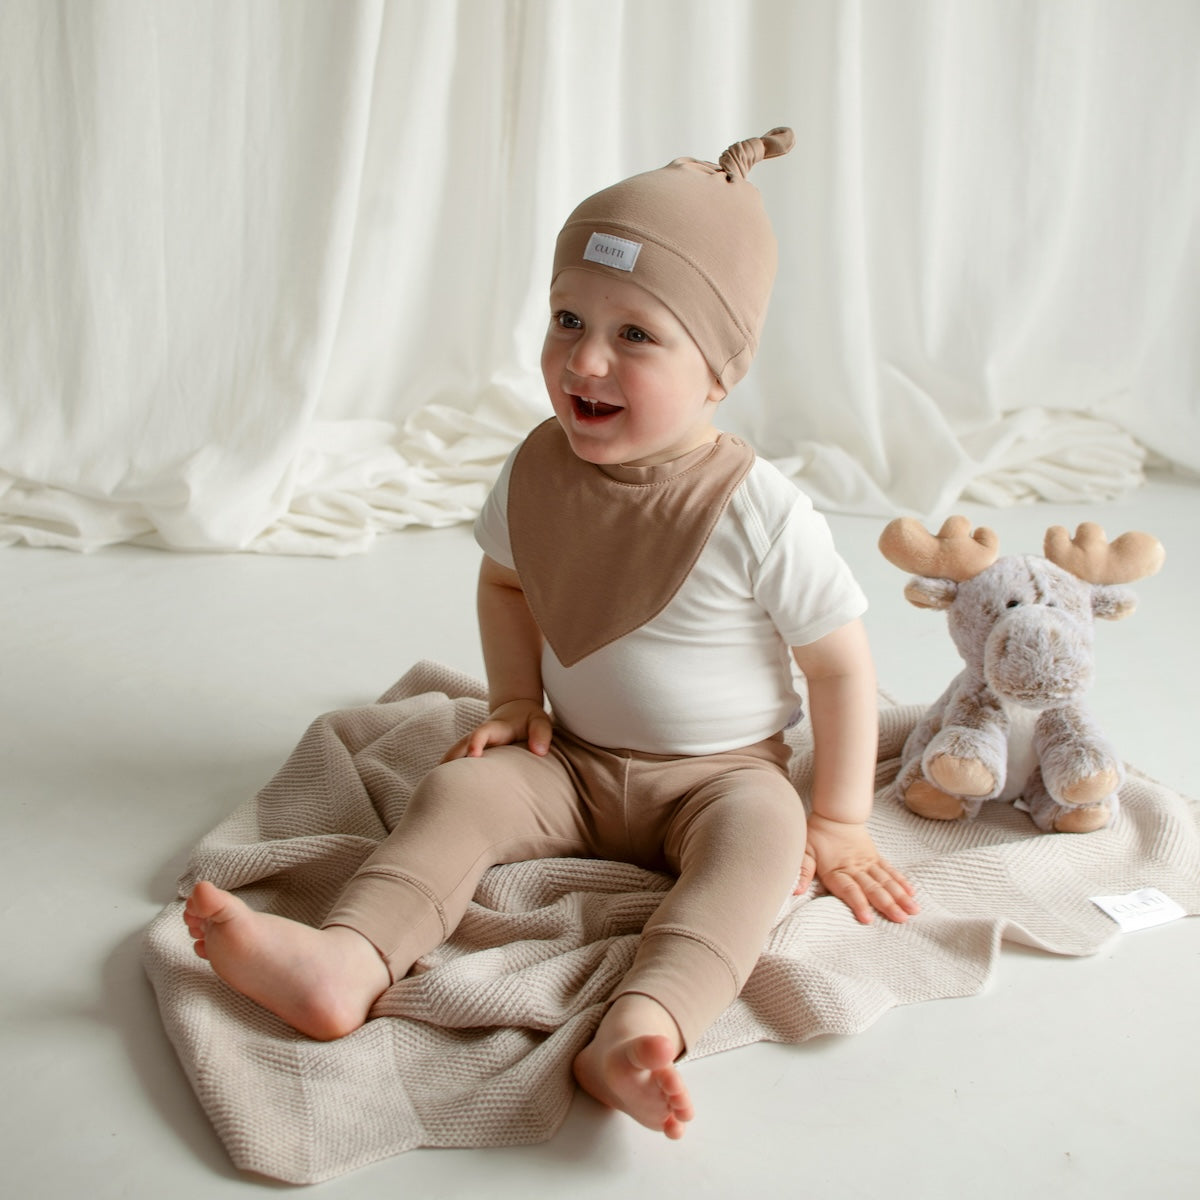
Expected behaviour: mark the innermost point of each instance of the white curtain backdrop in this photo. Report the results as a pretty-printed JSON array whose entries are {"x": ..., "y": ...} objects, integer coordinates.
[{"x": 273, "y": 274}]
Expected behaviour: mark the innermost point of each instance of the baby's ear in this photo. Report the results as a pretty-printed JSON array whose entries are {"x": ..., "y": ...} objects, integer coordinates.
[
  {"x": 930, "y": 593},
  {"x": 1112, "y": 603}
]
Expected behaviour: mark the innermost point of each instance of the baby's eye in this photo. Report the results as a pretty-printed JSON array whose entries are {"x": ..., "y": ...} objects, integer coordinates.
[
  {"x": 567, "y": 320},
  {"x": 634, "y": 334}
]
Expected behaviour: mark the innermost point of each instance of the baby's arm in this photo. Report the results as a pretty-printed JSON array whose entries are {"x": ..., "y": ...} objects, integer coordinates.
[
  {"x": 843, "y": 709},
  {"x": 512, "y": 657}
]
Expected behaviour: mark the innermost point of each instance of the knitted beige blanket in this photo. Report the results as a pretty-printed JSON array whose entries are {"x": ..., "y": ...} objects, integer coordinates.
[{"x": 474, "y": 1047}]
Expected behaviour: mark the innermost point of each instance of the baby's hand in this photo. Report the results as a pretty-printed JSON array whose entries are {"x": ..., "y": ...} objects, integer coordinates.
[
  {"x": 513, "y": 721},
  {"x": 843, "y": 856}
]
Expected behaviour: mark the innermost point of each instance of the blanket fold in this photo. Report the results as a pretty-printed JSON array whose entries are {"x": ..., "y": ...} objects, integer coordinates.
[{"x": 473, "y": 1047}]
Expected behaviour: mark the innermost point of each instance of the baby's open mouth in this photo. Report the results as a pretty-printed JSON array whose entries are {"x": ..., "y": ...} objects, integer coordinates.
[{"x": 587, "y": 409}]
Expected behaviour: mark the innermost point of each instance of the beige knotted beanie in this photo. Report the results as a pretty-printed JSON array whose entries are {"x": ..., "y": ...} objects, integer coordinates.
[{"x": 695, "y": 235}]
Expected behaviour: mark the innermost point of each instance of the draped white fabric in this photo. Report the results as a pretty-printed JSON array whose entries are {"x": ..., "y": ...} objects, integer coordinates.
[{"x": 274, "y": 274}]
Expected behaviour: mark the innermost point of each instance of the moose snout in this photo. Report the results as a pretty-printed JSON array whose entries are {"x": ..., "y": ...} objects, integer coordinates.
[{"x": 1038, "y": 656}]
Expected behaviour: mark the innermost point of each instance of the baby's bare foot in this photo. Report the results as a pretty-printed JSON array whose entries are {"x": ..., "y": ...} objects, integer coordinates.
[
  {"x": 630, "y": 1065},
  {"x": 322, "y": 982}
]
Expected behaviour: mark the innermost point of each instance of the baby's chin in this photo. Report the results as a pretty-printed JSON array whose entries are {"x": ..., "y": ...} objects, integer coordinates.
[
  {"x": 589, "y": 452},
  {"x": 592, "y": 450}
]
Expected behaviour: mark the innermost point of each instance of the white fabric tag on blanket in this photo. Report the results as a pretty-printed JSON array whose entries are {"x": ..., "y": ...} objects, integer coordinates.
[{"x": 1142, "y": 909}]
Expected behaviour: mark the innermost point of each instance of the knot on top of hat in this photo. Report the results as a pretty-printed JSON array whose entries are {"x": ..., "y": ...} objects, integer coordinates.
[{"x": 741, "y": 156}]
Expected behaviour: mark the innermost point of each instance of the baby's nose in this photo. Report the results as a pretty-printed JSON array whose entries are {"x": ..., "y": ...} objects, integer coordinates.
[{"x": 588, "y": 359}]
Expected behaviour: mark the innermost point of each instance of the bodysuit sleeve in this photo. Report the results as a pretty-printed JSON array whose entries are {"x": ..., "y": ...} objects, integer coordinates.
[
  {"x": 491, "y": 526},
  {"x": 800, "y": 580},
  {"x": 804, "y": 584}
]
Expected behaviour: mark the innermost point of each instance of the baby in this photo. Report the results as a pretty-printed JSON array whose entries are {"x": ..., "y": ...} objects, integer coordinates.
[{"x": 646, "y": 584}]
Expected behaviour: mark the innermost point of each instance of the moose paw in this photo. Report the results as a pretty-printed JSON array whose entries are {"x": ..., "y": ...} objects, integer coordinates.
[
  {"x": 1093, "y": 789},
  {"x": 926, "y": 800},
  {"x": 961, "y": 776},
  {"x": 1085, "y": 819}
]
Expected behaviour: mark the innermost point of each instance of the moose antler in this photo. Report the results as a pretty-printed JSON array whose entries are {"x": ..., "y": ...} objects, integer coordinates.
[
  {"x": 1090, "y": 556},
  {"x": 956, "y": 553}
]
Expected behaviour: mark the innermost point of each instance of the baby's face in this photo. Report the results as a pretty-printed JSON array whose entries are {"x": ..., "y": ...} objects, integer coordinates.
[{"x": 626, "y": 380}]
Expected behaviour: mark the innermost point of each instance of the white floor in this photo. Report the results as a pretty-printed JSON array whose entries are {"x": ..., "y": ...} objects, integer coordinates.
[{"x": 145, "y": 694}]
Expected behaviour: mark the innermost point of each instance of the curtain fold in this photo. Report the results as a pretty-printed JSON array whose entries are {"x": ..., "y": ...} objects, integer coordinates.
[{"x": 275, "y": 273}]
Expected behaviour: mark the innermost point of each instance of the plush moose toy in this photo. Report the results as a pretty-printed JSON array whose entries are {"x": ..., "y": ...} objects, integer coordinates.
[{"x": 1013, "y": 723}]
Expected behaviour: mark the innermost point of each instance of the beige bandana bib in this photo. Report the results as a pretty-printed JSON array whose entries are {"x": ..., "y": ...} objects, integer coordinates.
[{"x": 602, "y": 550}]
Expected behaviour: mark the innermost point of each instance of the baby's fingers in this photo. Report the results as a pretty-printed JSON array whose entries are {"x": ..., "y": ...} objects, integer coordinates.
[
  {"x": 851, "y": 893},
  {"x": 890, "y": 894},
  {"x": 873, "y": 890},
  {"x": 459, "y": 749},
  {"x": 541, "y": 732},
  {"x": 477, "y": 741},
  {"x": 808, "y": 872}
]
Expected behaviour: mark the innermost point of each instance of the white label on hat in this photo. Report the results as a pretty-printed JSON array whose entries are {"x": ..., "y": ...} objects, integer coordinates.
[{"x": 612, "y": 251}]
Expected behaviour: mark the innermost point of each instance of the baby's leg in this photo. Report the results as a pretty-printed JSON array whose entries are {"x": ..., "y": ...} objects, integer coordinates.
[
  {"x": 466, "y": 816},
  {"x": 737, "y": 843}
]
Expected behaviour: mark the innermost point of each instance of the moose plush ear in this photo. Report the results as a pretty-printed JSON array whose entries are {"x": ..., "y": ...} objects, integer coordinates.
[
  {"x": 1111, "y": 603},
  {"x": 930, "y": 593}
]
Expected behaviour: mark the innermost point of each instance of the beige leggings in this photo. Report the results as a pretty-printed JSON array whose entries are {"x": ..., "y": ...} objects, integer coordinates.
[{"x": 730, "y": 826}]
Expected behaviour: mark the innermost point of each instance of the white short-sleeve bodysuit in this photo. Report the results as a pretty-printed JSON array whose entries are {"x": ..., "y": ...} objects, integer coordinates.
[{"x": 712, "y": 671}]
